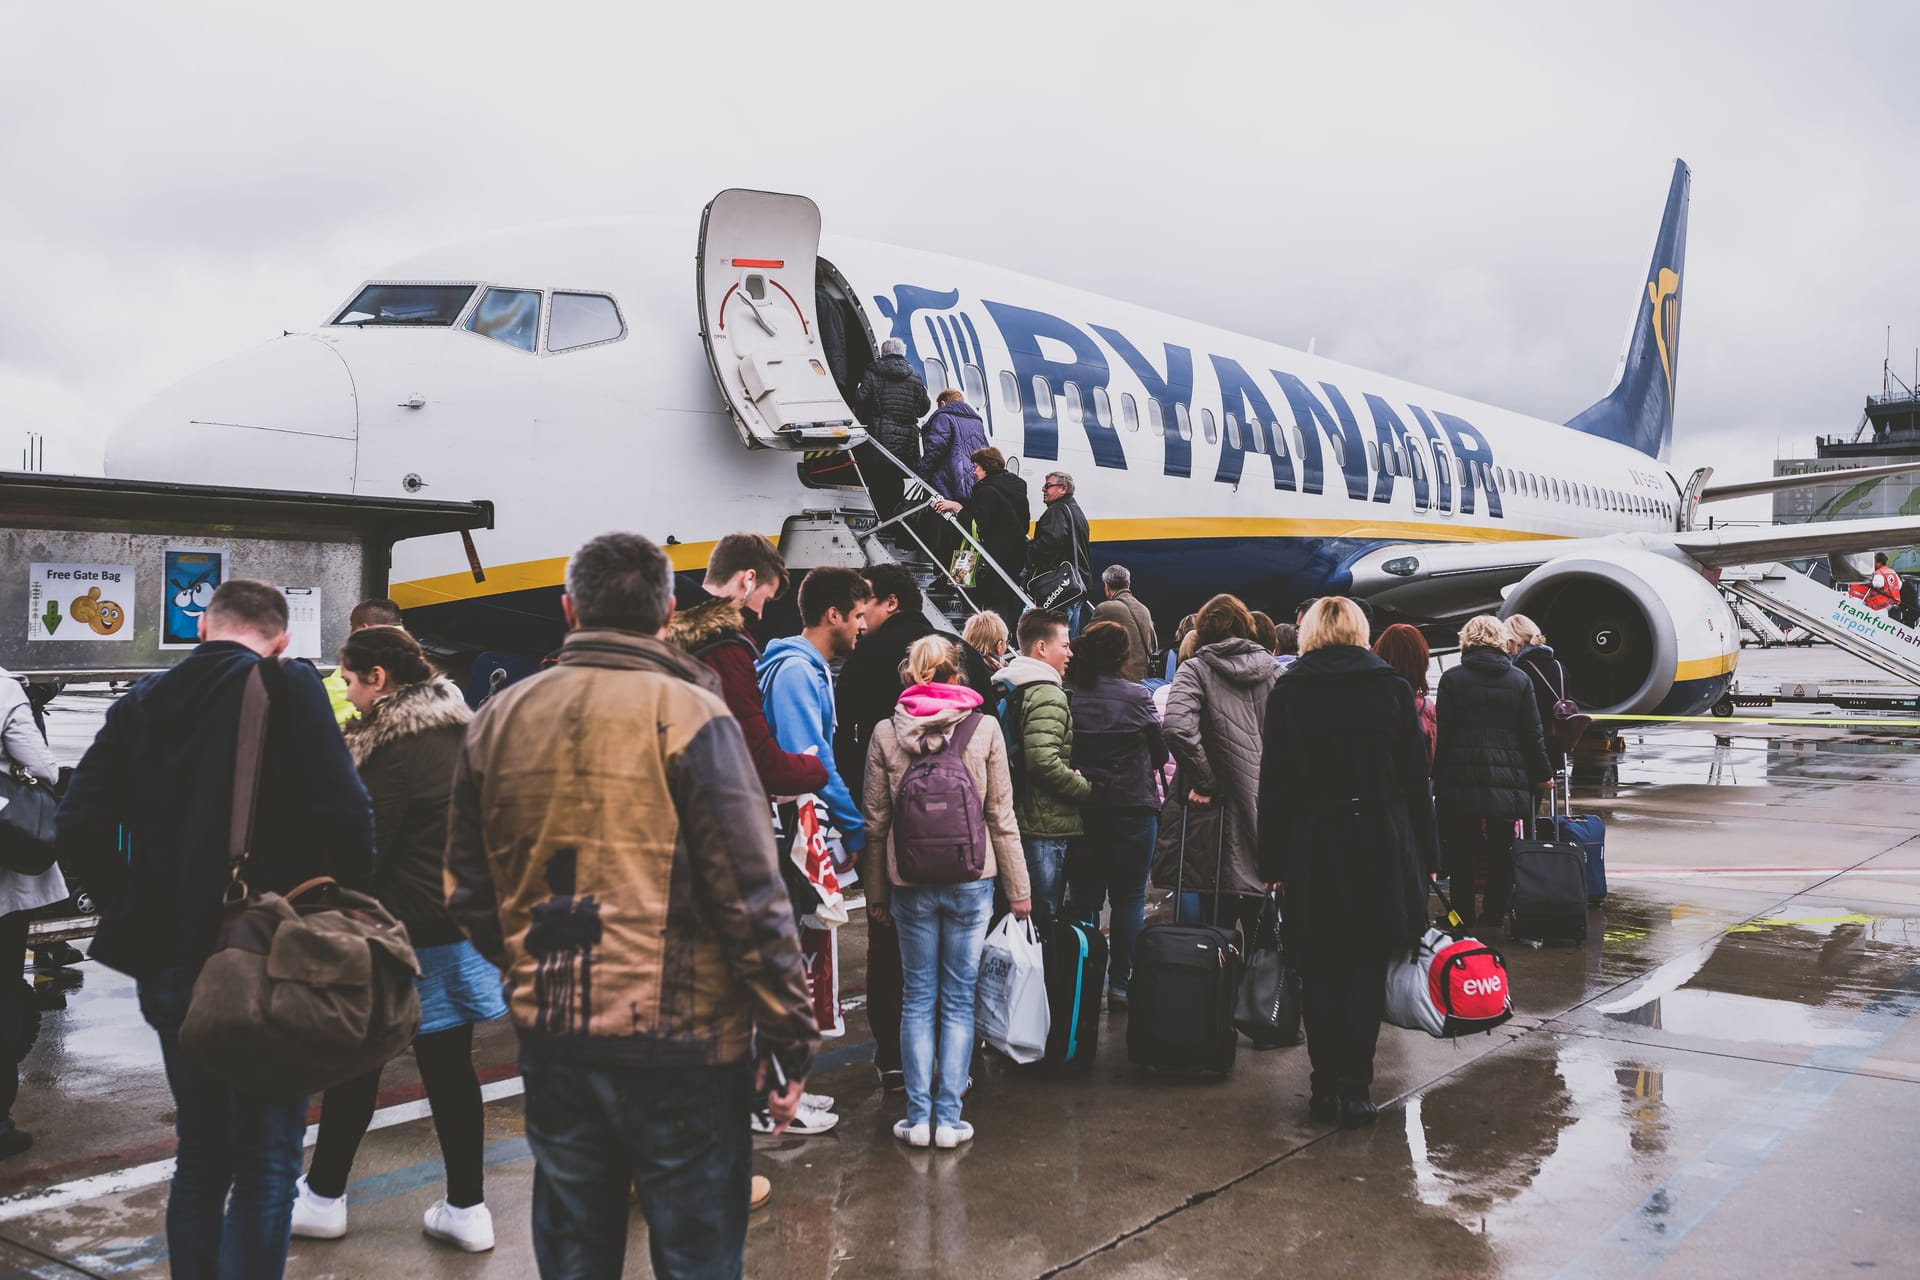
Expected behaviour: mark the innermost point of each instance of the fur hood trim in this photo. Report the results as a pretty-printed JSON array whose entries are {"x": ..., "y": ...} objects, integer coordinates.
[
  {"x": 693, "y": 629},
  {"x": 415, "y": 709}
]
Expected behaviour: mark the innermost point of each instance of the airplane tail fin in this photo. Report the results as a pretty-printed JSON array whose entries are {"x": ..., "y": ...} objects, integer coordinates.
[{"x": 1638, "y": 409}]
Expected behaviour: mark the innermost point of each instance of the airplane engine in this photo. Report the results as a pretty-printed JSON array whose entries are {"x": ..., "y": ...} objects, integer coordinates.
[{"x": 1638, "y": 633}]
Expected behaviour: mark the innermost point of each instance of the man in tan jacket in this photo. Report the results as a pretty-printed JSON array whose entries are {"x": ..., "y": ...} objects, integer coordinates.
[
  {"x": 610, "y": 850},
  {"x": 1121, "y": 607}
]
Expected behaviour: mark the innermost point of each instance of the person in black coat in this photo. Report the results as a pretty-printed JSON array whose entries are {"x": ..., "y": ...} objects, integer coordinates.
[
  {"x": 890, "y": 400},
  {"x": 1489, "y": 758},
  {"x": 999, "y": 510},
  {"x": 1346, "y": 831},
  {"x": 1062, "y": 536},
  {"x": 1535, "y": 657}
]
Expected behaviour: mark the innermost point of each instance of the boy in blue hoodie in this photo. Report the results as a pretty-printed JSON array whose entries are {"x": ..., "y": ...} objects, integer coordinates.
[{"x": 796, "y": 685}]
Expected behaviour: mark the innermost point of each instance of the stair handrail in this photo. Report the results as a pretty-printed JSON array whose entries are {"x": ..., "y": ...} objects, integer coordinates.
[{"x": 932, "y": 501}]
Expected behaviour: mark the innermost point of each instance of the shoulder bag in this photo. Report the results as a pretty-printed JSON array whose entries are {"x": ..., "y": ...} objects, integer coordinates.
[{"x": 304, "y": 990}]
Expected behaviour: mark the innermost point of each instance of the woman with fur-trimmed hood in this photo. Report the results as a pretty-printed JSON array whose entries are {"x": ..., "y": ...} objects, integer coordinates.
[{"x": 406, "y": 743}]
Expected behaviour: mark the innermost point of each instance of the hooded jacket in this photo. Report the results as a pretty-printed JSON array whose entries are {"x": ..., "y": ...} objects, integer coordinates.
[
  {"x": 1051, "y": 793},
  {"x": 406, "y": 748},
  {"x": 1215, "y": 707},
  {"x": 796, "y": 688},
  {"x": 610, "y": 850},
  {"x": 1548, "y": 677},
  {"x": 1118, "y": 744},
  {"x": 947, "y": 442},
  {"x": 891, "y": 400},
  {"x": 145, "y": 818},
  {"x": 936, "y": 708},
  {"x": 998, "y": 507},
  {"x": 1489, "y": 752},
  {"x": 868, "y": 687},
  {"x": 1346, "y": 818},
  {"x": 716, "y": 634}
]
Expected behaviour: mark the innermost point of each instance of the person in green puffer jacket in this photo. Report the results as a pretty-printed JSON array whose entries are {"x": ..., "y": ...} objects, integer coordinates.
[{"x": 1047, "y": 792}]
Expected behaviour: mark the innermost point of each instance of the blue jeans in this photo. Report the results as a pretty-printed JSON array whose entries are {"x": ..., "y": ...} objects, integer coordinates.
[
  {"x": 1075, "y": 612},
  {"x": 1111, "y": 861},
  {"x": 1046, "y": 869},
  {"x": 678, "y": 1135},
  {"x": 942, "y": 930},
  {"x": 230, "y": 1142}
]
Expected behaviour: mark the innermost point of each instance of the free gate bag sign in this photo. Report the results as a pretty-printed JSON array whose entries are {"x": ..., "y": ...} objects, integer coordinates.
[{"x": 80, "y": 602}]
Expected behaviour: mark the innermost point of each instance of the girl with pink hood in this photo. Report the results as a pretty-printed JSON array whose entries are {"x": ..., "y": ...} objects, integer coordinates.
[{"x": 942, "y": 922}]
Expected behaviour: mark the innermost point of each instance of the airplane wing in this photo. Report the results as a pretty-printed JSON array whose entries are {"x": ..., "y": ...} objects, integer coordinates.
[{"x": 1456, "y": 579}]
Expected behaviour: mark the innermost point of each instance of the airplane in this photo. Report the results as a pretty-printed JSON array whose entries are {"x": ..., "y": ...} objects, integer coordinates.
[{"x": 565, "y": 372}]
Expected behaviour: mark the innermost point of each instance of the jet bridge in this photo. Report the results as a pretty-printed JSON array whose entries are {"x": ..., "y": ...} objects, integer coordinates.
[{"x": 1832, "y": 616}]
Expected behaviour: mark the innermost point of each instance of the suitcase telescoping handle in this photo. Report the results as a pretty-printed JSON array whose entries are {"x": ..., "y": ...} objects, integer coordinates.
[
  {"x": 1180, "y": 869},
  {"x": 1558, "y": 803}
]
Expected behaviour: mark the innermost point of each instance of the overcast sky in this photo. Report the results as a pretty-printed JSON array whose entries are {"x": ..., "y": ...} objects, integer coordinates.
[{"x": 1467, "y": 202}]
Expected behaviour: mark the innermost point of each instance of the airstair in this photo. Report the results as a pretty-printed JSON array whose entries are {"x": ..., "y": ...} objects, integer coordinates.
[{"x": 1831, "y": 615}]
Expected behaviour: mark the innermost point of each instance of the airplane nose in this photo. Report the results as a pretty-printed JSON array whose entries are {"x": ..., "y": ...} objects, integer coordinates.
[{"x": 281, "y": 415}]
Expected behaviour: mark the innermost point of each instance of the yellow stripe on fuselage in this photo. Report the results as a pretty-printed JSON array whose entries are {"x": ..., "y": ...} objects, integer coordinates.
[
  {"x": 1705, "y": 668},
  {"x": 531, "y": 575}
]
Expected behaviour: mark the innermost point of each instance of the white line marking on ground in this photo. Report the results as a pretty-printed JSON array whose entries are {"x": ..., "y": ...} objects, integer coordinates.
[{"x": 155, "y": 1172}]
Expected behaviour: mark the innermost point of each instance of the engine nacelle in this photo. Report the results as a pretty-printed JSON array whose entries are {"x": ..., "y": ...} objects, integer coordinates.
[{"x": 1638, "y": 633}]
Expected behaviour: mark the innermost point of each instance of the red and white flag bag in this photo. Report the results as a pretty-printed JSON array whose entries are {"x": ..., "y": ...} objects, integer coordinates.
[
  {"x": 1449, "y": 984},
  {"x": 820, "y": 928}
]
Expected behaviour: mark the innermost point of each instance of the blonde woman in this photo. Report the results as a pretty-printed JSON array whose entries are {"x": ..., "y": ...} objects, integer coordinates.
[
  {"x": 1534, "y": 656},
  {"x": 986, "y": 634},
  {"x": 1489, "y": 758},
  {"x": 1346, "y": 830},
  {"x": 942, "y": 926}
]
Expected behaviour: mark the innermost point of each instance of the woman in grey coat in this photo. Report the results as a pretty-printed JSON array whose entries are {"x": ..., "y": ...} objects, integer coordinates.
[{"x": 1215, "y": 710}]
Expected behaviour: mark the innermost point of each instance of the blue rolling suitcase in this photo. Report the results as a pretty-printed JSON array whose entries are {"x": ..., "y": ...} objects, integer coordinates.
[{"x": 1590, "y": 833}]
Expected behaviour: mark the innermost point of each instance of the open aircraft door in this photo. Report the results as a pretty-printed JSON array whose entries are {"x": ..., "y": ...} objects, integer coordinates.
[{"x": 756, "y": 273}]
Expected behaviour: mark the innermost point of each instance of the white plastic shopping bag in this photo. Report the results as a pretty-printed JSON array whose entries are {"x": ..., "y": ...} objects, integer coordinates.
[{"x": 1011, "y": 1013}]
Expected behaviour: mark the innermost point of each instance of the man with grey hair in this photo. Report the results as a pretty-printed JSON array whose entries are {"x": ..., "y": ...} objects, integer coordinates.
[
  {"x": 1120, "y": 606},
  {"x": 626, "y": 883},
  {"x": 1060, "y": 536},
  {"x": 890, "y": 400}
]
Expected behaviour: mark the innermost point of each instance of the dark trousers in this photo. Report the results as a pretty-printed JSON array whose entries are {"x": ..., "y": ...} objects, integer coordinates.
[
  {"x": 678, "y": 1136},
  {"x": 230, "y": 1211},
  {"x": 1109, "y": 864},
  {"x": 886, "y": 989},
  {"x": 445, "y": 1059},
  {"x": 1466, "y": 841},
  {"x": 19, "y": 1020},
  {"x": 1342, "y": 997}
]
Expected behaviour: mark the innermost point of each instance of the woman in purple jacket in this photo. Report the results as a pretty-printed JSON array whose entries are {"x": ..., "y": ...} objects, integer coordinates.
[{"x": 947, "y": 442}]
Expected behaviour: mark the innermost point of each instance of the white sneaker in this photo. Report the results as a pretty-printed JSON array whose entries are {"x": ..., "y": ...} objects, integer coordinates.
[
  {"x": 949, "y": 1136},
  {"x": 818, "y": 1101},
  {"x": 806, "y": 1121},
  {"x": 914, "y": 1135},
  {"x": 318, "y": 1217},
  {"x": 470, "y": 1228}
]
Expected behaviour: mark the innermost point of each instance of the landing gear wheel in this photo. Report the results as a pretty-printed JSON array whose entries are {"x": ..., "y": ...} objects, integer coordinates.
[{"x": 1724, "y": 707}]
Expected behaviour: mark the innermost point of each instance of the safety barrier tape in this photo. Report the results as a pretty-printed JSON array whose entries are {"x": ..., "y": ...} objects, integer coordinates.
[{"x": 1877, "y": 721}]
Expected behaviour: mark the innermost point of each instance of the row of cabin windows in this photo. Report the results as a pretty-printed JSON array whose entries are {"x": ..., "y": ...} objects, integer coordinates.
[{"x": 1265, "y": 437}]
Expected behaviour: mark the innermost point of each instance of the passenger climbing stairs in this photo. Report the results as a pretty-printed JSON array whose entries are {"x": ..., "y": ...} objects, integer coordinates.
[{"x": 1834, "y": 616}]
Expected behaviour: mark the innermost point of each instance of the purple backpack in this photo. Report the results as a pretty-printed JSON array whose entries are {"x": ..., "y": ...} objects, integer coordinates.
[{"x": 939, "y": 823}]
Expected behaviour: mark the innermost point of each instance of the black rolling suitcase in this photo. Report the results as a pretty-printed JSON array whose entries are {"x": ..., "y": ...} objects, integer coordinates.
[
  {"x": 1549, "y": 883},
  {"x": 1074, "y": 958},
  {"x": 1185, "y": 977}
]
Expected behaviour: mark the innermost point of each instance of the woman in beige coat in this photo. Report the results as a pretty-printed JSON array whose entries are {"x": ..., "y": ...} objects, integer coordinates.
[{"x": 942, "y": 924}]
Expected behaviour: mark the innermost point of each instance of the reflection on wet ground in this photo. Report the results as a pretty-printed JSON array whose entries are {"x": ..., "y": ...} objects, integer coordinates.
[{"x": 1725, "y": 1078}]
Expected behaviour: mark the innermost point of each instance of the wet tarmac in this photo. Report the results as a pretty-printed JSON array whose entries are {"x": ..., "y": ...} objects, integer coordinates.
[{"x": 1724, "y": 1080}]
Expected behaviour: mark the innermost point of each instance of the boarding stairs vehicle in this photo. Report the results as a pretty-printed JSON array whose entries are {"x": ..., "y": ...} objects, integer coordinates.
[
  {"x": 760, "y": 282},
  {"x": 1755, "y": 622},
  {"x": 1830, "y": 615}
]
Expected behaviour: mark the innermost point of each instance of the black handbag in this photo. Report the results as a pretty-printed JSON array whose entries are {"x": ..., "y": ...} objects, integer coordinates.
[
  {"x": 1057, "y": 588},
  {"x": 26, "y": 823},
  {"x": 1267, "y": 1008}
]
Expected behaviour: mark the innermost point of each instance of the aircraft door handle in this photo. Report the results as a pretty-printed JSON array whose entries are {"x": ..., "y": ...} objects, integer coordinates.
[{"x": 411, "y": 402}]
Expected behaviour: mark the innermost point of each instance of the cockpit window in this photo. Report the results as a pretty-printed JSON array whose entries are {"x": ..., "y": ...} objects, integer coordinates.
[
  {"x": 426, "y": 305},
  {"x": 511, "y": 316},
  {"x": 580, "y": 320}
]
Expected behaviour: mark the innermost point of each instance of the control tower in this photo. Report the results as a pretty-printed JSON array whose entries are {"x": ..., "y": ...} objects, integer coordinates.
[{"x": 1889, "y": 432}]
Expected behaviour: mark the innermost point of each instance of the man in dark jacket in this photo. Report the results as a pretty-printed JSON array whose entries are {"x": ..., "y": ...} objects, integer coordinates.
[
  {"x": 145, "y": 824},
  {"x": 1061, "y": 536},
  {"x": 864, "y": 697},
  {"x": 998, "y": 510},
  {"x": 890, "y": 400},
  {"x": 1489, "y": 758}
]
